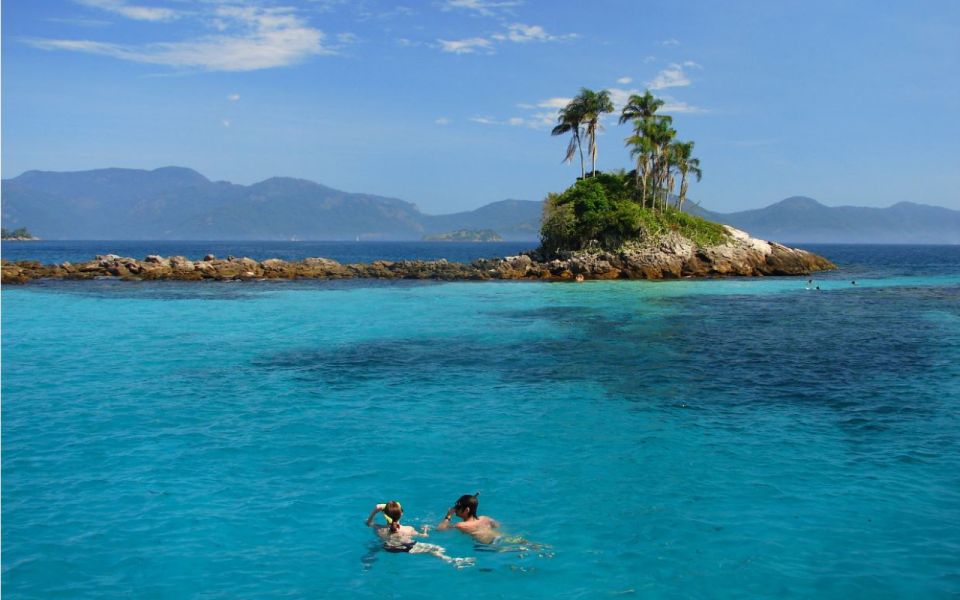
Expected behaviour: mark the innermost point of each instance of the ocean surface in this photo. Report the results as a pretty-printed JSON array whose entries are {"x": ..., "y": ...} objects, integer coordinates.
[{"x": 736, "y": 438}]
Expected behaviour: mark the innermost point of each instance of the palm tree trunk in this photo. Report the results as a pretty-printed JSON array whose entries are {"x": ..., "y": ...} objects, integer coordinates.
[
  {"x": 683, "y": 190},
  {"x": 580, "y": 148},
  {"x": 643, "y": 180},
  {"x": 593, "y": 169}
]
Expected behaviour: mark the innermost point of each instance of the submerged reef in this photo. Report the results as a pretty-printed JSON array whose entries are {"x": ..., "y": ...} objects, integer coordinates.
[{"x": 671, "y": 257}]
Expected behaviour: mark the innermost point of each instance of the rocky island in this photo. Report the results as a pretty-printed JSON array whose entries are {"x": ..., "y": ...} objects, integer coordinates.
[
  {"x": 619, "y": 225},
  {"x": 18, "y": 235},
  {"x": 465, "y": 235},
  {"x": 671, "y": 257}
]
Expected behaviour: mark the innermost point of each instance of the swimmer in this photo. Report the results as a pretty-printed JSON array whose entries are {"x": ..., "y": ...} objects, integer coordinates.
[
  {"x": 400, "y": 538},
  {"x": 486, "y": 531},
  {"x": 482, "y": 528}
]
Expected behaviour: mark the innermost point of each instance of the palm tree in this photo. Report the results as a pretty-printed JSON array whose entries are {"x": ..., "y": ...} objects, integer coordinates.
[
  {"x": 570, "y": 119},
  {"x": 651, "y": 147},
  {"x": 650, "y": 141},
  {"x": 641, "y": 148},
  {"x": 594, "y": 104},
  {"x": 640, "y": 107},
  {"x": 686, "y": 165},
  {"x": 662, "y": 134}
]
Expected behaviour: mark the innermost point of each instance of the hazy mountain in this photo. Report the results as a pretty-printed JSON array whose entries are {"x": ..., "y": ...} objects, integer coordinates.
[
  {"x": 179, "y": 203},
  {"x": 512, "y": 219},
  {"x": 801, "y": 219}
]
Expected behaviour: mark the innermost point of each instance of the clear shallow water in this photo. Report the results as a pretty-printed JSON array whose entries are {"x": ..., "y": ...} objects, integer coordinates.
[{"x": 734, "y": 438}]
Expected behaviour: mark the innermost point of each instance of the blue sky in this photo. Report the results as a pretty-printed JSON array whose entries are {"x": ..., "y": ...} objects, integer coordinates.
[{"x": 449, "y": 103}]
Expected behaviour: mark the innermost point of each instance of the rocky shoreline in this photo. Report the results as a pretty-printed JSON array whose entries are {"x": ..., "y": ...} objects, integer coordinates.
[{"x": 671, "y": 258}]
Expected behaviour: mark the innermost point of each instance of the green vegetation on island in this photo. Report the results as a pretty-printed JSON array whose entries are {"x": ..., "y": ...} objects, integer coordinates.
[
  {"x": 608, "y": 210},
  {"x": 20, "y": 234},
  {"x": 465, "y": 235}
]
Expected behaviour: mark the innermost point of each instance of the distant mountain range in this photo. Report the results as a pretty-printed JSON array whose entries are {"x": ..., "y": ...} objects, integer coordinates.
[
  {"x": 804, "y": 220},
  {"x": 175, "y": 203}
]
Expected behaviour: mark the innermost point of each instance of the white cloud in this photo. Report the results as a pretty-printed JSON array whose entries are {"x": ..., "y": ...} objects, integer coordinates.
[
  {"x": 233, "y": 97},
  {"x": 619, "y": 97},
  {"x": 347, "y": 38},
  {"x": 692, "y": 65},
  {"x": 624, "y": 80},
  {"x": 537, "y": 120},
  {"x": 672, "y": 76},
  {"x": 254, "y": 38},
  {"x": 467, "y": 46},
  {"x": 485, "y": 8},
  {"x": 557, "y": 102},
  {"x": 649, "y": 59},
  {"x": 542, "y": 120},
  {"x": 442, "y": 121},
  {"x": 79, "y": 22},
  {"x": 138, "y": 13},
  {"x": 225, "y": 123},
  {"x": 669, "y": 42},
  {"x": 676, "y": 107},
  {"x": 327, "y": 6},
  {"x": 516, "y": 32},
  {"x": 522, "y": 33}
]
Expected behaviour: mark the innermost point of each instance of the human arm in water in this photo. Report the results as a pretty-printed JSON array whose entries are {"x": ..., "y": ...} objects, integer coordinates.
[
  {"x": 445, "y": 523},
  {"x": 373, "y": 513}
]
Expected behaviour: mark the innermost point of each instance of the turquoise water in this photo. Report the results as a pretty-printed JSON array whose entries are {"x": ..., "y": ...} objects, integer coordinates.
[{"x": 704, "y": 439}]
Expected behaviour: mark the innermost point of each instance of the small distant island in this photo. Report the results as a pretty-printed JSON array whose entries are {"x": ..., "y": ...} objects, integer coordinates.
[
  {"x": 17, "y": 235},
  {"x": 465, "y": 235}
]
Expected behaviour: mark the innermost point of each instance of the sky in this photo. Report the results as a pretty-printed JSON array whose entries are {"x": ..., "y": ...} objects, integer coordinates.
[{"x": 449, "y": 103}]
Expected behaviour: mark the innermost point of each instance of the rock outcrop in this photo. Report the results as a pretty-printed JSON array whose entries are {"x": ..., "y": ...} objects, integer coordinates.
[{"x": 670, "y": 258}]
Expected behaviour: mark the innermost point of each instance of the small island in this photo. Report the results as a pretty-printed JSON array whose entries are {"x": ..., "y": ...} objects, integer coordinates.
[
  {"x": 617, "y": 225},
  {"x": 465, "y": 235},
  {"x": 17, "y": 235}
]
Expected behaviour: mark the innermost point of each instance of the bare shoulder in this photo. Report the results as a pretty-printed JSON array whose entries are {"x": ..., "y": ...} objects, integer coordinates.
[{"x": 382, "y": 531}]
